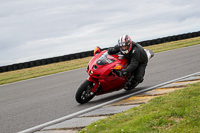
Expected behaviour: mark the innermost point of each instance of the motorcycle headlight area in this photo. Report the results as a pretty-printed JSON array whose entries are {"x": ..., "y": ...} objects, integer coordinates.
[{"x": 91, "y": 72}]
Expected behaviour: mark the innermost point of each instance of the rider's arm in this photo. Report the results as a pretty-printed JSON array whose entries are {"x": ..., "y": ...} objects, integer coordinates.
[
  {"x": 113, "y": 50},
  {"x": 133, "y": 62}
]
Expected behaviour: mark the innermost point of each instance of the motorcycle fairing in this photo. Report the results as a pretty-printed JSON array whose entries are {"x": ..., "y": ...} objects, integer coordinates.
[{"x": 100, "y": 72}]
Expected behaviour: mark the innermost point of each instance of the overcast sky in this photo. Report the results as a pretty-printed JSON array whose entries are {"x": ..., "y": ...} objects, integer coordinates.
[{"x": 37, "y": 29}]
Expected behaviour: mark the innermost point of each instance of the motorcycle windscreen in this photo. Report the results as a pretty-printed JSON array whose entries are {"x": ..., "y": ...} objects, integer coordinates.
[{"x": 105, "y": 59}]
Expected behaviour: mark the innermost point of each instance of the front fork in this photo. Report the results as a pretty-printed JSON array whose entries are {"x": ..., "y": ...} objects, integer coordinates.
[{"x": 96, "y": 84}]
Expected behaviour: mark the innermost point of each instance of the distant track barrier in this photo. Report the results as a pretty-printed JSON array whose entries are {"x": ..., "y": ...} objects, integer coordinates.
[{"x": 46, "y": 61}]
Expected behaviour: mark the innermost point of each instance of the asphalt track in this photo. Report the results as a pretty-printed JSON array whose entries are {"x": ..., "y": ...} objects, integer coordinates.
[{"x": 32, "y": 102}]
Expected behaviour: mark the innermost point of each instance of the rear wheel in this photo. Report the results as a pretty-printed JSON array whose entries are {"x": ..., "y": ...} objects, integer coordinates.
[{"x": 83, "y": 94}]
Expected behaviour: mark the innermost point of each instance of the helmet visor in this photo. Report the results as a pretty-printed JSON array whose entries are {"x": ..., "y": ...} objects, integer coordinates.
[{"x": 125, "y": 47}]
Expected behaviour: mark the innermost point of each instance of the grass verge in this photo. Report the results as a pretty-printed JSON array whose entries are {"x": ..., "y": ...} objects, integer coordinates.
[
  {"x": 18, "y": 75},
  {"x": 176, "y": 112}
]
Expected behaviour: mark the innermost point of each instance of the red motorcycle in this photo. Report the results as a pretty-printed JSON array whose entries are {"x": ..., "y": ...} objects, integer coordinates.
[{"x": 103, "y": 78}]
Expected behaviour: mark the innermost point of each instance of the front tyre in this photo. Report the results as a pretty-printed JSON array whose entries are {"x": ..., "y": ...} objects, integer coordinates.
[{"x": 83, "y": 94}]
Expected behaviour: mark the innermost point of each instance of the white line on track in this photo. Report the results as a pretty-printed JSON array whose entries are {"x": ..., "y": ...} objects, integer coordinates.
[{"x": 39, "y": 127}]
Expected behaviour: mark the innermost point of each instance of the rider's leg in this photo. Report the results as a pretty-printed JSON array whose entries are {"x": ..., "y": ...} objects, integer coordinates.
[{"x": 139, "y": 74}]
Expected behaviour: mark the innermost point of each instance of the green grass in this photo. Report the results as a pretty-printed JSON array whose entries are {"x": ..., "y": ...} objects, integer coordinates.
[
  {"x": 13, "y": 76},
  {"x": 18, "y": 75},
  {"x": 174, "y": 45},
  {"x": 176, "y": 112}
]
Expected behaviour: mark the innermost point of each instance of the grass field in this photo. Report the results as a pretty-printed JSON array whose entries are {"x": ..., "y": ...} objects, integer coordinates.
[
  {"x": 18, "y": 75},
  {"x": 176, "y": 112}
]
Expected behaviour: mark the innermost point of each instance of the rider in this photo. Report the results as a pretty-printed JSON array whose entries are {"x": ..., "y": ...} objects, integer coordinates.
[{"x": 136, "y": 55}]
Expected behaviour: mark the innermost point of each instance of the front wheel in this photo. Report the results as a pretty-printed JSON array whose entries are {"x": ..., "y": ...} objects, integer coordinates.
[{"x": 83, "y": 94}]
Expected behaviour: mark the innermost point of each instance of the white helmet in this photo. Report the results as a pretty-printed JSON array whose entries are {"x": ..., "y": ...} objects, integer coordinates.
[{"x": 125, "y": 44}]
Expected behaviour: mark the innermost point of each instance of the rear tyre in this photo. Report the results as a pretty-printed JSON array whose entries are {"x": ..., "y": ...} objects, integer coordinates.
[{"x": 83, "y": 94}]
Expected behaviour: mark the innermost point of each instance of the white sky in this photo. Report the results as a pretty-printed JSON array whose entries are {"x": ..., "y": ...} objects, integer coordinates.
[{"x": 37, "y": 29}]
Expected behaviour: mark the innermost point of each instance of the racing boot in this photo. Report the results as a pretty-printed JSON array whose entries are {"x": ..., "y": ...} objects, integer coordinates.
[{"x": 132, "y": 86}]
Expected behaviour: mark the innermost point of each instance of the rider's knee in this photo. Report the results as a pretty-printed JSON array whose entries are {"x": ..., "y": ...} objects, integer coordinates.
[{"x": 139, "y": 79}]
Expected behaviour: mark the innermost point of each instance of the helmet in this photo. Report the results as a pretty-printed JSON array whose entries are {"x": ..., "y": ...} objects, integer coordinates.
[{"x": 125, "y": 44}]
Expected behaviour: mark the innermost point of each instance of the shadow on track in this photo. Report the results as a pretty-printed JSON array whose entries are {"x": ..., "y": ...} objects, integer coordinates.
[{"x": 107, "y": 97}]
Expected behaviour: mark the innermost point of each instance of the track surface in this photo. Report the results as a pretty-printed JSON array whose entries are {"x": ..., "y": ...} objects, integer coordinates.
[{"x": 32, "y": 102}]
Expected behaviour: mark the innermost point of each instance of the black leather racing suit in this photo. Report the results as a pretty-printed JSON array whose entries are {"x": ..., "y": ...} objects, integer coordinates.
[{"x": 137, "y": 60}]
